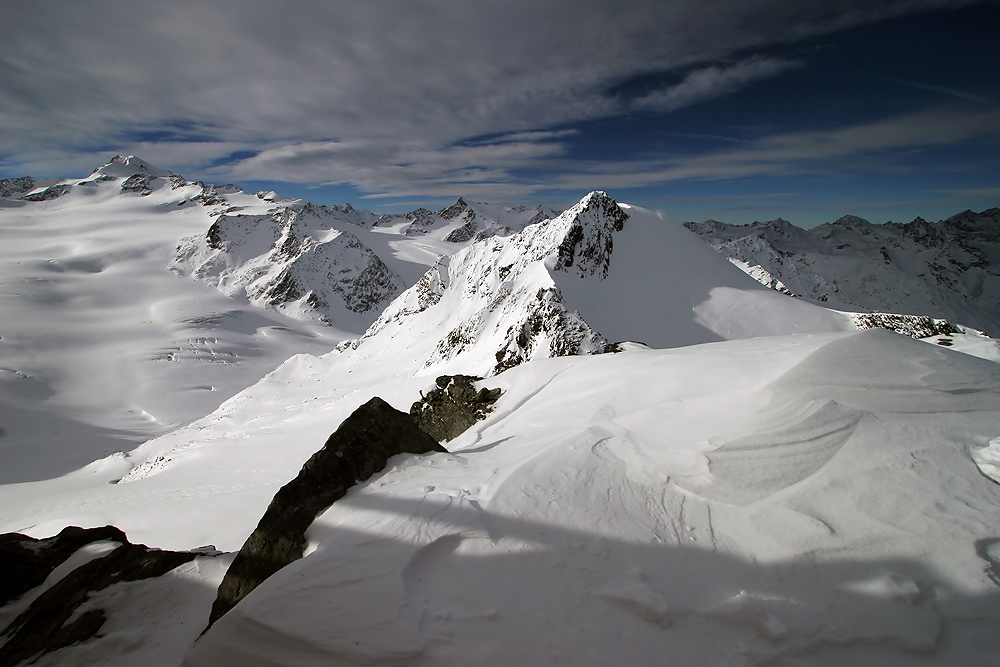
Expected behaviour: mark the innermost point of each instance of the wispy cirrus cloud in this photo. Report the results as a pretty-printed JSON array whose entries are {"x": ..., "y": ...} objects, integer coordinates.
[
  {"x": 88, "y": 79},
  {"x": 714, "y": 81},
  {"x": 404, "y": 170},
  {"x": 799, "y": 152},
  {"x": 943, "y": 90}
]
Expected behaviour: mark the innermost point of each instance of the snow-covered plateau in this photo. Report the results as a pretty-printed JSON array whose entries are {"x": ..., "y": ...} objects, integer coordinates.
[{"x": 684, "y": 466}]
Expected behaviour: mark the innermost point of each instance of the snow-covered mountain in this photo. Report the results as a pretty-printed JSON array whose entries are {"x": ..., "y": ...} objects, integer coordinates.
[
  {"x": 747, "y": 479},
  {"x": 597, "y": 274},
  {"x": 464, "y": 221},
  {"x": 101, "y": 347},
  {"x": 293, "y": 259},
  {"x": 948, "y": 269}
]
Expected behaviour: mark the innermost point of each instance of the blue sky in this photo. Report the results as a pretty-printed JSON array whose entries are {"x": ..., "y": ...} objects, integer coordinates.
[{"x": 733, "y": 110}]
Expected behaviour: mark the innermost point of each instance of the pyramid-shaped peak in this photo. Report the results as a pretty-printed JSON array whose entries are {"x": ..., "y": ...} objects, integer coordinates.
[
  {"x": 456, "y": 209},
  {"x": 130, "y": 165},
  {"x": 581, "y": 236},
  {"x": 852, "y": 221}
]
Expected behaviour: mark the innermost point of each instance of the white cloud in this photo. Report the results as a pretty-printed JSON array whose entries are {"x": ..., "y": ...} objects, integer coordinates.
[
  {"x": 714, "y": 81},
  {"x": 798, "y": 152},
  {"x": 342, "y": 90}
]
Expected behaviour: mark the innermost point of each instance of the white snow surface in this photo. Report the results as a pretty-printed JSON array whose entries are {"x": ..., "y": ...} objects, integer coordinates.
[
  {"x": 803, "y": 500},
  {"x": 101, "y": 347},
  {"x": 776, "y": 488}
]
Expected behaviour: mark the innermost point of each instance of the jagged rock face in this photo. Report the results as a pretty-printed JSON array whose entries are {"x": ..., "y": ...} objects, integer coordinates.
[
  {"x": 139, "y": 183},
  {"x": 359, "y": 448},
  {"x": 455, "y": 405},
  {"x": 210, "y": 196},
  {"x": 48, "y": 194},
  {"x": 464, "y": 221},
  {"x": 588, "y": 245},
  {"x": 51, "y": 621},
  {"x": 10, "y": 187},
  {"x": 548, "y": 330},
  {"x": 942, "y": 270},
  {"x": 292, "y": 261},
  {"x": 495, "y": 304}
]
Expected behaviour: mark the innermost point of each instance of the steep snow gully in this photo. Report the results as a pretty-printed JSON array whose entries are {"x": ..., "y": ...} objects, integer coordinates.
[{"x": 682, "y": 465}]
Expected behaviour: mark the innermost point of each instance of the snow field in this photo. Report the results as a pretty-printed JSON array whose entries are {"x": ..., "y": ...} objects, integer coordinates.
[{"x": 602, "y": 511}]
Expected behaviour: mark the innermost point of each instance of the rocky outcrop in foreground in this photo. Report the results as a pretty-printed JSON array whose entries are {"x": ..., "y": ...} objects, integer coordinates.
[
  {"x": 358, "y": 449},
  {"x": 52, "y": 621}
]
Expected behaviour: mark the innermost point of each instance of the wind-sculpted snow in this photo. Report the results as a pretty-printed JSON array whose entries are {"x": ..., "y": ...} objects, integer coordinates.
[
  {"x": 941, "y": 270},
  {"x": 750, "y": 481},
  {"x": 293, "y": 260},
  {"x": 806, "y": 499}
]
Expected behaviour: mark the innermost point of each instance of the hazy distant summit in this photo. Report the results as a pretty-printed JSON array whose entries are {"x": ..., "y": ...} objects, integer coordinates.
[{"x": 950, "y": 268}]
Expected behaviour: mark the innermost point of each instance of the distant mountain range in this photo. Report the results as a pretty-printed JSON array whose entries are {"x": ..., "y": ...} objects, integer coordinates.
[
  {"x": 949, "y": 269},
  {"x": 650, "y": 456}
]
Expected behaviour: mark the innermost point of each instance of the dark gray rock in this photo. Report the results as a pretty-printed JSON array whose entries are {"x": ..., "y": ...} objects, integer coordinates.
[
  {"x": 49, "y": 193},
  {"x": 26, "y": 561},
  {"x": 45, "y": 626},
  {"x": 358, "y": 449},
  {"x": 915, "y": 326},
  {"x": 15, "y": 186},
  {"x": 141, "y": 184},
  {"x": 448, "y": 411}
]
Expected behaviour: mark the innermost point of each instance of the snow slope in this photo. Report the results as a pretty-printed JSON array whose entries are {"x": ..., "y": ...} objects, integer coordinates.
[
  {"x": 948, "y": 269},
  {"x": 295, "y": 260},
  {"x": 596, "y": 274},
  {"x": 101, "y": 347},
  {"x": 810, "y": 499},
  {"x": 777, "y": 488},
  {"x": 806, "y": 500}
]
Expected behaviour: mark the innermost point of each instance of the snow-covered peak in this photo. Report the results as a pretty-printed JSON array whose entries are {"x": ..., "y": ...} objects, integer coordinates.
[
  {"x": 943, "y": 270},
  {"x": 586, "y": 230},
  {"x": 123, "y": 166},
  {"x": 571, "y": 285},
  {"x": 293, "y": 259},
  {"x": 854, "y": 223}
]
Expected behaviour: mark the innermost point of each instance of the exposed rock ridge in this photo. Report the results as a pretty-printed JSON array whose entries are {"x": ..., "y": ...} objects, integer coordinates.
[
  {"x": 587, "y": 242},
  {"x": 290, "y": 260},
  {"x": 500, "y": 296},
  {"x": 914, "y": 326},
  {"x": 15, "y": 186},
  {"x": 27, "y": 561},
  {"x": 49, "y": 193},
  {"x": 360, "y": 447},
  {"x": 52, "y": 621}
]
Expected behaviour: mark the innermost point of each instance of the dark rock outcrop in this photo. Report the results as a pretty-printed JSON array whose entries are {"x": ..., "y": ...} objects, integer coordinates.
[
  {"x": 15, "y": 186},
  {"x": 49, "y": 624},
  {"x": 26, "y": 561},
  {"x": 48, "y": 194},
  {"x": 141, "y": 184},
  {"x": 358, "y": 449},
  {"x": 914, "y": 326},
  {"x": 448, "y": 411}
]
